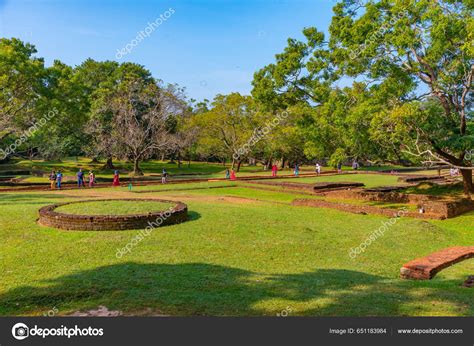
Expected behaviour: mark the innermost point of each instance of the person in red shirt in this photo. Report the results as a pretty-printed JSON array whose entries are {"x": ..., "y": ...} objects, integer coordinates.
[
  {"x": 116, "y": 179},
  {"x": 274, "y": 170}
]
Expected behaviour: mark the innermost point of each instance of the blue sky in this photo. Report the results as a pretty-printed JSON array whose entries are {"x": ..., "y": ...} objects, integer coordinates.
[{"x": 209, "y": 47}]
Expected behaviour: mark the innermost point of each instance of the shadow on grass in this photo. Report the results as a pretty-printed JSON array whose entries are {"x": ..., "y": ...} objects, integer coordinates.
[
  {"x": 205, "y": 289},
  {"x": 193, "y": 216}
]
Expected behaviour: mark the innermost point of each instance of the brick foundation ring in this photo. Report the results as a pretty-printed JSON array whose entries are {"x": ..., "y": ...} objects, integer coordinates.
[{"x": 48, "y": 216}]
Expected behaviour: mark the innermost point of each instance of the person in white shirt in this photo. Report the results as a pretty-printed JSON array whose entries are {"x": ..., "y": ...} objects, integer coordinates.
[{"x": 318, "y": 169}]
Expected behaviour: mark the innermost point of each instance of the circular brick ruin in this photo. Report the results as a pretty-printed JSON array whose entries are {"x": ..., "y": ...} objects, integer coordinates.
[{"x": 51, "y": 218}]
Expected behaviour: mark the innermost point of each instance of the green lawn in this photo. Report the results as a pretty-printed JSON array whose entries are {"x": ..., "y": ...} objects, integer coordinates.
[
  {"x": 183, "y": 186},
  {"x": 437, "y": 190},
  {"x": 370, "y": 180},
  {"x": 239, "y": 259},
  {"x": 113, "y": 207}
]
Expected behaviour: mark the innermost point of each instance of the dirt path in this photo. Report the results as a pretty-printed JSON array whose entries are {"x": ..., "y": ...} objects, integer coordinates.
[{"x": 170, "y": 195}]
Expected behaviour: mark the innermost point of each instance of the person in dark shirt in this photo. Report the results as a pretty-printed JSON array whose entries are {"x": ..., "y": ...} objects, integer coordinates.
[
  {"x": 80, "y": 178},
  {"x": 52, "y": 179}
]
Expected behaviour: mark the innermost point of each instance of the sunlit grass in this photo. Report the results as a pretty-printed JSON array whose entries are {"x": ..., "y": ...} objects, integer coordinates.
[
  {"x": 254, "y": 254},
  {"x": 113, "y": 207}
]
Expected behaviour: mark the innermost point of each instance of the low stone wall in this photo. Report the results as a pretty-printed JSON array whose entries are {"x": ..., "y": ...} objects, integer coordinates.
[
  {"x": 419, "y": 178},
  {"x": 448, "y": 208},
  {"x": 363, "y": 209},
  {"x": 49, "y": 217},
  {"x": 186, "y": 189},
  {"x": 425, "y": 268},
  {"x": 432, "y": 205},
  {"x": 313, "y": 187},
  {"x": 286, "y": 185}
]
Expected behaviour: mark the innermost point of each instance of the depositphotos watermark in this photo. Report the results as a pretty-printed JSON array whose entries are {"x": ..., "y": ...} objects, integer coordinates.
[
  {"x": 142, "y": 34},
  {"x": 469, "y": 155},
  {"x": 21, "y": 331},
  {"x": 285, "y": 312},
  {"x": 354, "y": 252},
  {"x": 258, "y": 134},
  {"x": 4, "y": 153},
  {"x": 144, "y": 233},
  {"x": 378, "y": 34},
  {"x": 51, "y": 313}
]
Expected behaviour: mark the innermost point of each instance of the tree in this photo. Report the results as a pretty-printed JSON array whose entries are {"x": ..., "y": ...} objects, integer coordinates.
[
  {"x": 64, "y": 134},
  {"x": 401, "y": 52},
  {"x": 415, "y": 51},
  {"x": 140, "y": 110},
  {"x": 22, "y": 86},
  {"x": 226, "y": 127},
  {"x": 101, "y": 80}
]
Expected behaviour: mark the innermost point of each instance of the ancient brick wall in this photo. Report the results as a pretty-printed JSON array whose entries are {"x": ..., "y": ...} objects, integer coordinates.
[{"x": 49, "y": 217}]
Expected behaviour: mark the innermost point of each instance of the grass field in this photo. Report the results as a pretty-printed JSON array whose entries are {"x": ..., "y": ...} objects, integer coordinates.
[
  {"x": 437, "y": 190},
  {"x": 243, "y": 252},
  {"x": 369, "y": 180},
  {"x": 113, "y": 207}
]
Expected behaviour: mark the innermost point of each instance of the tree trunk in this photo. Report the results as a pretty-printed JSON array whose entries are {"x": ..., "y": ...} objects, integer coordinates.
[
  {"x": 109, "y": 164},
  {"x": 136, "y": 167},
  {"x": 467, "y": 181},
  {"x": 238, "y": 165},
  {"x": 269, "y": 162},
  {"x": 94, "y": 160},
  {"x": 282, "y": 163}
]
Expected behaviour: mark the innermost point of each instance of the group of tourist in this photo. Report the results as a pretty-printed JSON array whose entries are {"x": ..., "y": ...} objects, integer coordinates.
[
  {"x": 317, "y": 168},
  {"x": 81, "y": 178},
  {"x": 230, "y": 174},
  {"x": 56, "y": 179}
]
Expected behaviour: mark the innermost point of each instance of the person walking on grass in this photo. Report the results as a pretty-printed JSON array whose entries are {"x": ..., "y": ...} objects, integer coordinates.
[
  {"x": 318, "y": 168},
  {"x": 52, "y": 179},
  {"x": 232, "y": 175},
  {"x": 355, "y": 165},
  {"x": 339, "y": 167},
  {"x": 91, "y": 179},
  {"x": 116, "y": 181},
  {"x": 164, "y": 176},
  {"x": 227, "y": 174},
  {"x": 297, "y": 170},
  {"x": 80, "y": 178},
  {"x": 274, "y": 170},
  {"x": 59, "y": 179}
]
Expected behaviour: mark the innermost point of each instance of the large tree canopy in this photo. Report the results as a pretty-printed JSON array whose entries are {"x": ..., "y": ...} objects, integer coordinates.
[
  {"x": 410, "y": 64},
  {"x": 419, "y": 54},
  {"x": 22, "y": 85}
]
